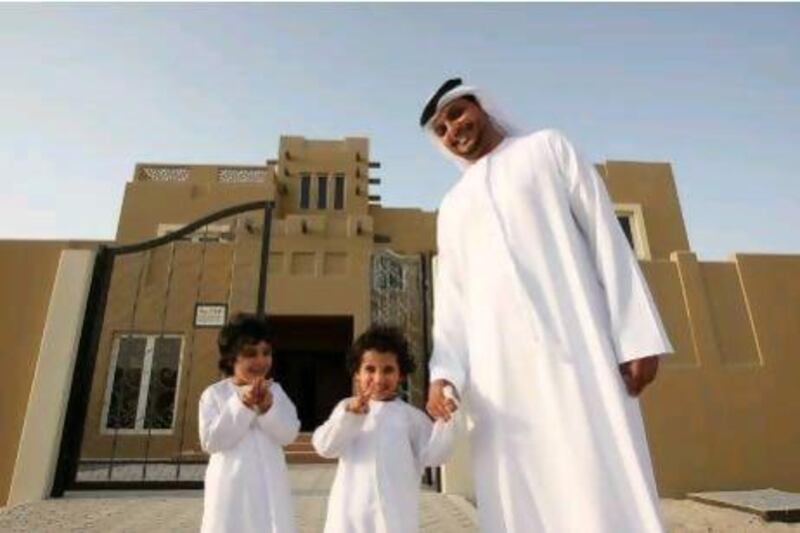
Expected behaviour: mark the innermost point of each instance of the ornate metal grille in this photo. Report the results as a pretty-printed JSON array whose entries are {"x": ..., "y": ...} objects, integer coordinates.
[{"x": 398, "y": 298}]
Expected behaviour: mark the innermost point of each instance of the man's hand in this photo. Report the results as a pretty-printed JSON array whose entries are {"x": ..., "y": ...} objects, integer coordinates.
[
  {"x": 439, "y": 405},
  {"x": 639, "y": 373}
]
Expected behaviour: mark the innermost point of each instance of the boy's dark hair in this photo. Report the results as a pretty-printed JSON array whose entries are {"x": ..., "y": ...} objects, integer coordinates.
[
  {"x": 242, "y": 329},
  {"x": 384, "y": 339}
]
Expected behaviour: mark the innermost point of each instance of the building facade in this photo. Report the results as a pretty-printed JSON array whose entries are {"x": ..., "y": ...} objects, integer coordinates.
[{"x": 718, "y": 417}]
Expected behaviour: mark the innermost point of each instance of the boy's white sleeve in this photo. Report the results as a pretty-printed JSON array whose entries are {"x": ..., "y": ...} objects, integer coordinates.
[
  {"x": 280, "y": 421},
  {"x": 438, "y": 441},
  {"x": 421, "y": 428},
  {"x": 330, "y": 440},
  {"x": 222, "y": 427},
  {"x": 442, "y": 441}
]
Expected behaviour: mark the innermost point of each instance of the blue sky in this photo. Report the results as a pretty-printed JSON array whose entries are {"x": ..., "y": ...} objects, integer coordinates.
[{"x": 89, "y": 90}]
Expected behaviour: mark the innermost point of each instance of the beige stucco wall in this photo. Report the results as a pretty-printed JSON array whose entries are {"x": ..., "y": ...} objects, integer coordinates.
[
  {"x": 772, "y": 290},
  {"x": 411, "y": 231},
  {"x": 148, "y": 203},
  {"x": 652, "y": 186},
  {"x": 40, "y": 440},
  {"x": 349, "y": 156},
  {"x": 27, "y": 270},
  {"x": 722, "y": 414}
]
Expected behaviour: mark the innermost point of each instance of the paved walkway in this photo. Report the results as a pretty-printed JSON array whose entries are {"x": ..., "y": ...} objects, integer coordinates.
[{"x": 177, "y": 511}]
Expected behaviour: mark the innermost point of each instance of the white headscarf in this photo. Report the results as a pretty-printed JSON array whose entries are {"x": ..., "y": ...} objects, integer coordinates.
[{"x": 496, "y": 115}]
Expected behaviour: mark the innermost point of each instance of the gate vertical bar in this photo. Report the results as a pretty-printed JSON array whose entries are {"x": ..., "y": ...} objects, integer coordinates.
[
  {"x": 425, "y": 275},
  {"x": 143, "y": 264},
  {"x": 184, "y": 413},
  {"x": 164, "y": 310},
  {"x": 266, "y": 229}
]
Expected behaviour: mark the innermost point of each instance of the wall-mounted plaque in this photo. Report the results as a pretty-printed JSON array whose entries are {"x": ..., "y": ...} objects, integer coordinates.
[{"x": 207, "y": 315}]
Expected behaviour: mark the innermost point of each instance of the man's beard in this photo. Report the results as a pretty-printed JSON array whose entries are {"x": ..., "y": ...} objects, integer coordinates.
[{"x": 474, "y": 148}]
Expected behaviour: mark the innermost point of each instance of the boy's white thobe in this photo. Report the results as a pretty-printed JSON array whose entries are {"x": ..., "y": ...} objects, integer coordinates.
[
  {"x": 247, "y": 484},
  {"x": 538, "y": 299},
  {"x": 381, "y": 458}
]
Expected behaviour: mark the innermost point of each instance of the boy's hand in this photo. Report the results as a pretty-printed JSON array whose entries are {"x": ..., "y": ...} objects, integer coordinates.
[
  {"x": 264, "y": 396},
  {"x": 249, "y": 398},
  {"x": 259, "y": 396},
  {"x": 440, "y": 406},
  {"x": 359, "y": 404}
]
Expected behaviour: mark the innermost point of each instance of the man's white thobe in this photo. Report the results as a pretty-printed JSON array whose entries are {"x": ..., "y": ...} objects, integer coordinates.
[
  {"x": 538, "y": 299},
  {"x": 381, "y": 457},
  {"x": 247, "y": 484}
]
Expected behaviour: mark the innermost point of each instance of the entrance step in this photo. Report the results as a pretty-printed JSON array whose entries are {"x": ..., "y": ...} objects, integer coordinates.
[
  {"x": 770, "y": 504},
  {"x": 301, "y": 451}
]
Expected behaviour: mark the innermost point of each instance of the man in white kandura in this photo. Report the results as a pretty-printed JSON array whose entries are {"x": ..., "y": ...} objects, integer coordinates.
[{"x": 544, "y": 325}]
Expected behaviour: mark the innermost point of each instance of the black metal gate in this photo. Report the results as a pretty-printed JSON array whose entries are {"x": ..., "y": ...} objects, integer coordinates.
[{"x": 147, "y": 350}]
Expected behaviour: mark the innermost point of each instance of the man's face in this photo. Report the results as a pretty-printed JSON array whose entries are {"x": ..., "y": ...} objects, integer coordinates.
[{"x": 461, "y": 127}]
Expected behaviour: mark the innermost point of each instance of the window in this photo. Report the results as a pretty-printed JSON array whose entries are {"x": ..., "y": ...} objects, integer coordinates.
[
  {"x": 305, "y": 191},
  {"x": 142, "y": 383},
  {"x": 338, "y": 192},
  {"x": 631, "y": 220},
  {"x": 322, "y": 191},
  {"x": 625, "y": 223},
  {"x": 220, "y": 233}
]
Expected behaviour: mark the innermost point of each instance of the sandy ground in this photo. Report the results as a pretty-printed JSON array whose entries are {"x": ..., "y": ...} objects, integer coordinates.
[
  {"x": 178, "y": 511},
  {"x": 687, "y": 515},
  {"x": 181, "y": 512}
]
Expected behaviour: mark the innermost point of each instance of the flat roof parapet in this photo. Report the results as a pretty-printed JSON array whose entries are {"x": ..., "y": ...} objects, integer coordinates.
[{"x": 177, "y": 173}]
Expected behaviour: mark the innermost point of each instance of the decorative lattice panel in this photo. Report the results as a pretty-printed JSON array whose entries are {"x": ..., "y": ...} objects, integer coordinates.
[
  {"x": 165, "y": 173},
  {"x": 242, "y": 175}
]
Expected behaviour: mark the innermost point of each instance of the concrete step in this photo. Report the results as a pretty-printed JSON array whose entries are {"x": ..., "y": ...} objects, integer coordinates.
[
  {"x": 306, "y": 458},
  {"x": 305, "y": 436},
  {"x": 294, "y": 447},
  {"x": 301, "y": 444},
  {"x": 301, "y": 451}
]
